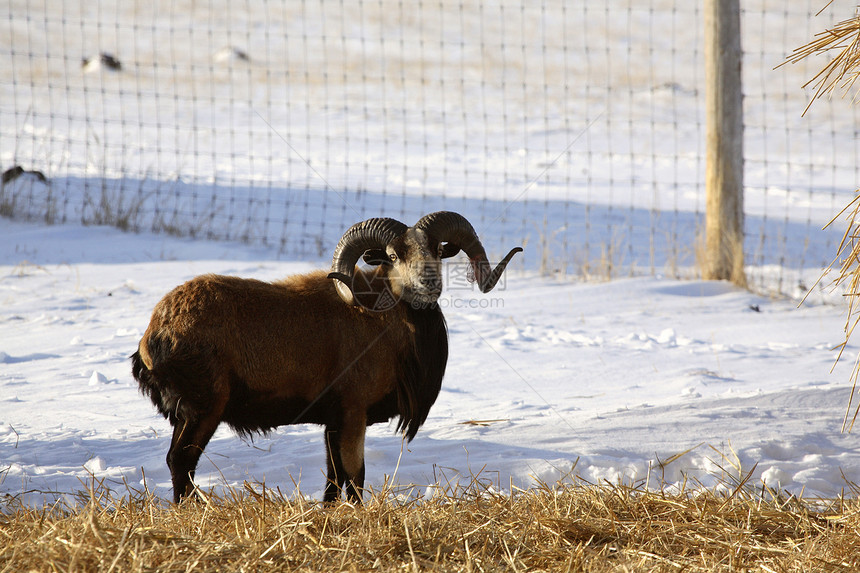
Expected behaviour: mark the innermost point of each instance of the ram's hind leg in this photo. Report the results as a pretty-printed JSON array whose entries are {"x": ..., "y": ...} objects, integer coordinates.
[
  {"x": 345, "y": 453},
  {"x": 189, "y": 439}
]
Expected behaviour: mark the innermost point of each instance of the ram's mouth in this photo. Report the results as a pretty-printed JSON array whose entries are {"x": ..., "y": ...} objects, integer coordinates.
[{"x": 417, "y": 300}]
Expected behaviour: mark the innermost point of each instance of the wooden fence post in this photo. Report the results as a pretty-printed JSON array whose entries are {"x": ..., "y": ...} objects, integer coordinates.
[{"x": 724, "y": 210}]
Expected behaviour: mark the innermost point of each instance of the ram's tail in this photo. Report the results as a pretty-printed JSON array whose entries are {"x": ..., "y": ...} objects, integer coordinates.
[{"x": 146, "y": 382}]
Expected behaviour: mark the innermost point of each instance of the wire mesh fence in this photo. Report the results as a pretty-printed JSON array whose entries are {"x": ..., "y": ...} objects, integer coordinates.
[{"x": 576, "y": 129}]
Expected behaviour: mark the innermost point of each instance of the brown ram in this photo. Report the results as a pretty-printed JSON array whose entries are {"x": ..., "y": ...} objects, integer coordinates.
[{"x": 258, "y": 355}]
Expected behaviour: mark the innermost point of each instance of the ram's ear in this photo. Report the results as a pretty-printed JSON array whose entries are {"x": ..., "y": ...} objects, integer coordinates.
[
  {"x": 375, "y": 257},
  {"x": 449, "y": 250}
]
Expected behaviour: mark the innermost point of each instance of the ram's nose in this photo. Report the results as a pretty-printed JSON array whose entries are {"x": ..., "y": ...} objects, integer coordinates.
[{"x": 431, "y": 278}]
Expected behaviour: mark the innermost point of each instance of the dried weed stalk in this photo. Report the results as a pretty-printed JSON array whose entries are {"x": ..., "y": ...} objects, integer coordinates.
[
  {"x": 841, "y": 73},
  {"x": 848, "y": 278}
]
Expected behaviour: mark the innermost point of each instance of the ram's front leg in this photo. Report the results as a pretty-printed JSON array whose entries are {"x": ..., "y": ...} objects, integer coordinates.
[{"x": 345, "y": 456}]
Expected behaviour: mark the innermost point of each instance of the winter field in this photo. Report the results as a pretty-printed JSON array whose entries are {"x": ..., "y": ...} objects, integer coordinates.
[
  {"x": 640, "y": 381},
  {"x": 557, "y": 374}
]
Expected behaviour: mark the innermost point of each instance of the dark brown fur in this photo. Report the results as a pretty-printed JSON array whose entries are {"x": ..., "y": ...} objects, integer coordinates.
[{"x": 259, "y": 355}]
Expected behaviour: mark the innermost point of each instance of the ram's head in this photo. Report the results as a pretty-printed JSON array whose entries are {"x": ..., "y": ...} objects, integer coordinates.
[{"x": 411, "y": 259}]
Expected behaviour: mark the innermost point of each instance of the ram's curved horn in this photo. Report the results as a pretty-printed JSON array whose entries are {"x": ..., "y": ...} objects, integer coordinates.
[
  {"x": 454, "y": 229},
  {"x": 361, "y": 237}
]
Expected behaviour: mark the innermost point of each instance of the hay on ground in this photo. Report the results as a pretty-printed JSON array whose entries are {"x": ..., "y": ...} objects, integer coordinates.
[{"x": 571, "y": 528}]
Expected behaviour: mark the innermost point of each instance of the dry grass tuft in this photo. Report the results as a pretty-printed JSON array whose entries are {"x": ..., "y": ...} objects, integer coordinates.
[
  {"x": 848, "y": 277},
  {"x": 843, "y": 70},
  {"x": 841, "y": 73},
  {"x": 575, "y": 527}
]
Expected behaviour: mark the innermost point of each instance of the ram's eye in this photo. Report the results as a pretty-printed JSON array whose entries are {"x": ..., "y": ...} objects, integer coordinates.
[{"x": 392, "y": 257}]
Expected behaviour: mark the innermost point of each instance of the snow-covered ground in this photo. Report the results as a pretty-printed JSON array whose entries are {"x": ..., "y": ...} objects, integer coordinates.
[
  {"x": 549, "y": 126},
  {"x": 602, "y": 380}
]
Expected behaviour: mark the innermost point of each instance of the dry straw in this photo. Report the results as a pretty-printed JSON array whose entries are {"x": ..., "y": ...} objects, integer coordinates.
[
  {"x": 583, "y": 527},
  {"x": 848, "y": 277},
  {"x": 843, "y": 70},
  {"x": 841, "y": 74}
]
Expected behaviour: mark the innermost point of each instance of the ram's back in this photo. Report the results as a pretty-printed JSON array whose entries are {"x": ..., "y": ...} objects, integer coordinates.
[{"x": 290, "y": 340}]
